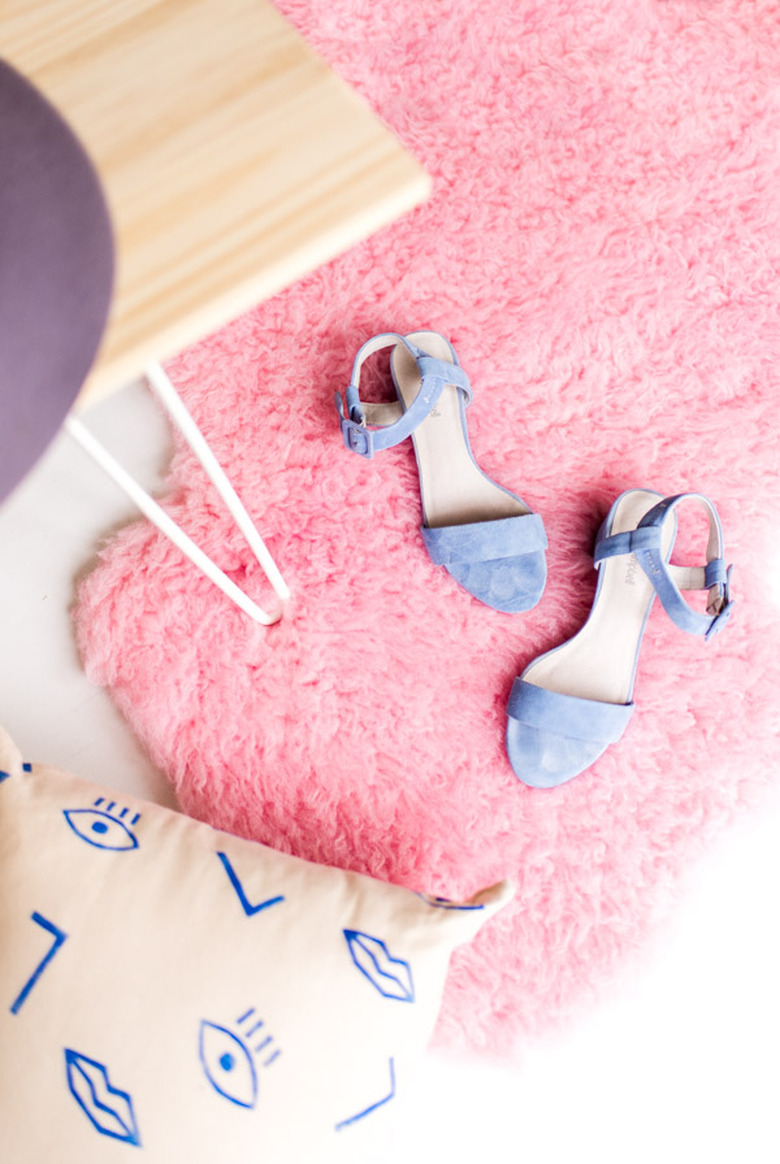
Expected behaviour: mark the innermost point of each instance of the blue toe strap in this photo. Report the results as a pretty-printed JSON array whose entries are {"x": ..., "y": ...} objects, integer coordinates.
[
  {"x": 485, "y": 541},
  {"x": 567, "y": 715}
]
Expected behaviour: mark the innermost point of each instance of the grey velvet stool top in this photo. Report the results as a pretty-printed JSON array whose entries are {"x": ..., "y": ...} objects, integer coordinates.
[{"x": 56, "y": 272}]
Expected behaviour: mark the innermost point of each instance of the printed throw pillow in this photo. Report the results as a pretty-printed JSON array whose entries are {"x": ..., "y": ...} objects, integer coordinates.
[{"x": 169, "y": 992}]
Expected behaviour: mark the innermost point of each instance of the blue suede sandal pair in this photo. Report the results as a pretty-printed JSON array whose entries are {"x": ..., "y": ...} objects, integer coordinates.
[{"x": 572, "y": 702}]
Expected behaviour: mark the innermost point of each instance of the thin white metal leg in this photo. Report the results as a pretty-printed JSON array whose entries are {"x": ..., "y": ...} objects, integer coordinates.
[
  {"x": 197, "y": 442},
  {"x": 157, "y": 515}
]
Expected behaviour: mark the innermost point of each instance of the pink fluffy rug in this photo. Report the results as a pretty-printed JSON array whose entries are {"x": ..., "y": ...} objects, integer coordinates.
[{"x": 602, "y": 247}]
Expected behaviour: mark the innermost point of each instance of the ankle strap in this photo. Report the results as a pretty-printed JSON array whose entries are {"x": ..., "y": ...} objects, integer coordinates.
[
  {"x": 667, "y": 580},
  {"x": 394, "y": 423}
]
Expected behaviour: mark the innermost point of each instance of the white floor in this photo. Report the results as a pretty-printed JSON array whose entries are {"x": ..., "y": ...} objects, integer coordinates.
[{"x": 681, "y": 1065}]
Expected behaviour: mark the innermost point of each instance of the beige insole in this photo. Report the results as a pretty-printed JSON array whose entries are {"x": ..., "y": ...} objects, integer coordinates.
[
  {"x": 598, "y": 663},
  {"x": 454, "y": 490}
]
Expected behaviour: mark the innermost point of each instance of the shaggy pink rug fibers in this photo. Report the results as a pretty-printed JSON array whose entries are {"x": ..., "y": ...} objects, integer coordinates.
[{"x": 602, "y": 247}]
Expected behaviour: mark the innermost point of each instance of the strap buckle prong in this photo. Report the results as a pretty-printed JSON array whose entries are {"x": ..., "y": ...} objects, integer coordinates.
[
  {"x": 725, "y": 612},
  {"x": 357, "y": 438}
]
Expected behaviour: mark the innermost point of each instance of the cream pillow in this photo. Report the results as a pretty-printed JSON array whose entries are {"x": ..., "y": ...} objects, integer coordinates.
[{"x": 171, "y": 990}]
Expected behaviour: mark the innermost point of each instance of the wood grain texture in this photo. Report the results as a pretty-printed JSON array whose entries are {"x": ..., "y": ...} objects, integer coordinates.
[{"x": 234, "y": 160}]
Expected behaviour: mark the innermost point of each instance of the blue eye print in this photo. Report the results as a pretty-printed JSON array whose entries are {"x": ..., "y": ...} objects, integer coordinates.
[
  {"x": 228, "y": 1059},
  {"x": 228, "y": 1065},
  {"x": 101, "y": 829}
]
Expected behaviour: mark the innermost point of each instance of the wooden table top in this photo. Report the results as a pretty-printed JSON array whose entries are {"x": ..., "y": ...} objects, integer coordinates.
[{"x": 233, "y": 159}]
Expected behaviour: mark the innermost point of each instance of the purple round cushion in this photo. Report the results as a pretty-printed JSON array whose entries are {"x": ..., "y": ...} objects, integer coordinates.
[{"x": 56, "y": 272}]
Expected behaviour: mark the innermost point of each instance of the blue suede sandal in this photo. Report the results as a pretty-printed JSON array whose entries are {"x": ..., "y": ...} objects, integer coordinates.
[
  {"x": 571, "y": 703},
  {"x": 485, "y": 536}
]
